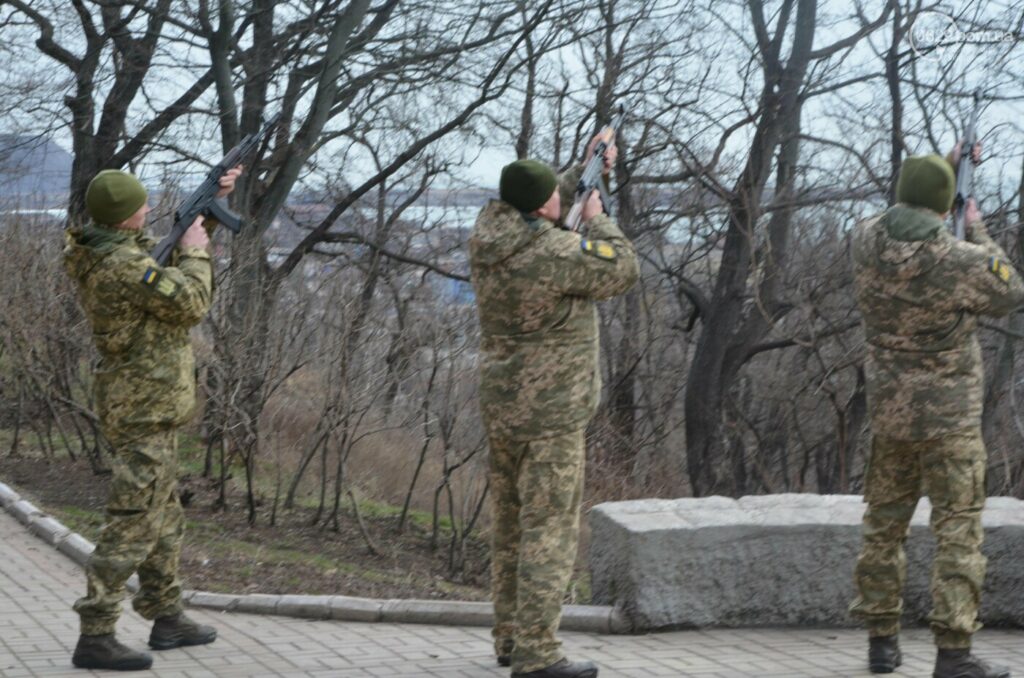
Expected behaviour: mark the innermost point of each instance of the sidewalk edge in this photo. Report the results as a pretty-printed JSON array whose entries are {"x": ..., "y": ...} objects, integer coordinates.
[{"x": 598, "y": 619}]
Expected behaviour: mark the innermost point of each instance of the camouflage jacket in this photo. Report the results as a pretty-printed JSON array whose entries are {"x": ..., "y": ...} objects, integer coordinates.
[
  {"x": 535, "y": 290},
  {"x": 920, "y": 292},
  {"x": 140, "y": 314}
]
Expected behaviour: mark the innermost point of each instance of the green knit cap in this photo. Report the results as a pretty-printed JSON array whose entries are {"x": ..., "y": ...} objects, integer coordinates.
[
  {"x": 927, "y": 181},
  {"x": 527, "y": 184},
  {"x": 113, "y": 196}
]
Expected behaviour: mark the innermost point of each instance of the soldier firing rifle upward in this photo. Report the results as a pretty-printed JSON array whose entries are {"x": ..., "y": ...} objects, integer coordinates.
[
  {"x": 140, "y": 312},
  {"x": 540, "y": 375},
  {"x": 920, "y": 291}
]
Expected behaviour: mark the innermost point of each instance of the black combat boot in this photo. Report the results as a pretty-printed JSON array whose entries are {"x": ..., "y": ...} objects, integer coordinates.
[
  {"x": 105, "y": 652},
  {"x": 562, "y": 669},
  {"x": 179, "y": 631},
  {"x": 884, "y": 654},
  {"x": 505, "y": 654},
  {"x": 962, "y": 664}
]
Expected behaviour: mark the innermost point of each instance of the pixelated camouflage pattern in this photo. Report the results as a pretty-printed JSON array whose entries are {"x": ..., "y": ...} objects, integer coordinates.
[
  {"x": 540, "y": 384},
  {"x": 144, "y": 385},
  {"x": 145, "y": 378},
  {"x": 920, "y": 301},
  {"x": 536, "y": 490},
  {"x": 950, "y": 470},
  {"x": 535, "y": 290},
  {"x": 142, "y": 533}
]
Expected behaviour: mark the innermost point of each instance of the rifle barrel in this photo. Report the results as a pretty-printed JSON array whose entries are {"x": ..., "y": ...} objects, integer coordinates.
[{"x": 965, "y": 170}]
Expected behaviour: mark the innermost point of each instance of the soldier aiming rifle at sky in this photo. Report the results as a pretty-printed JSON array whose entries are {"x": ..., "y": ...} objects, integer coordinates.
[
  {"x": 920, "y": 291},
  {"x": 536, "y": 284},
  {"x": 140, "y": 312}
]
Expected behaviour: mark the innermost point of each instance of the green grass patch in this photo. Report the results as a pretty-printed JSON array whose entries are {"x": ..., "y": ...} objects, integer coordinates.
[
  {"x": 424, "y": 519},
  {"x": 372, "y": 509},
  {"x": 216, "y": 546},
  {"x": 86, "y": 522},
  {"x": 30, "y": 444},
  {"x": 191, "y": 453},
  {"x": 580, "y": 588}
]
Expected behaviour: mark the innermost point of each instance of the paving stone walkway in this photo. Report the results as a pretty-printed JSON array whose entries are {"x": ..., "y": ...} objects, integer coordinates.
[{"x": 38, "y": 630}]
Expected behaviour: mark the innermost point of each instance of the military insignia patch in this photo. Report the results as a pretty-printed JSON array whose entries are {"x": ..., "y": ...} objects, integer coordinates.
[
  {"x": 999, "y": 269},
  {"x": 156, "y": 280},
  {"x": 166, "y": 287},
  {"x": 601, "y": 250}
]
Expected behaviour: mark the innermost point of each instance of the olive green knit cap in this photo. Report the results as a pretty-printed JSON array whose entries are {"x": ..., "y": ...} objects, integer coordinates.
[
  {"x": 927, "y": 181},
  {"x": 113, "y": 196},
  {"x": 527, "y": 184}
]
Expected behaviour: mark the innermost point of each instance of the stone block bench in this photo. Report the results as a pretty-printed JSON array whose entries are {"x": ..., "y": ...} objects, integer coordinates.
[{"x": 775, "y": 560}]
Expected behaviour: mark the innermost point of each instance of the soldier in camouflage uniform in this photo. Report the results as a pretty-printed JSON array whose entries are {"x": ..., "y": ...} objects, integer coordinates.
[
  {"x": 144, "y": 384},
  {"x": 536, "y": 285},
  {"x": 920, "y": 292}
]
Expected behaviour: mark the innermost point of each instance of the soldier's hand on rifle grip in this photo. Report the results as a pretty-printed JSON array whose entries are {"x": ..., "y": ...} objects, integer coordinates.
[
  {"x": 196, "y": 235},
  {"x": 972, "y": 215},
  {"x": 954, "y": 155},
  {"x": 611, "y": 153},
  {"x": 593, "y": 206},
  {"x": 611, "y": 156},
  {"x": 227, "y": 181}
]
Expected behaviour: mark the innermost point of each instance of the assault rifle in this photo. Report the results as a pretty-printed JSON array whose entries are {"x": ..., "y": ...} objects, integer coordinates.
[
  {"x": 965, "y": 170},
  {"x": 204, "y": 199},
  {"x": 592, "y": 174}
]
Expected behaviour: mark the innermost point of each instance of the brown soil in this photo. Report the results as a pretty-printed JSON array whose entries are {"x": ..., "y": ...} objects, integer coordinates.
[{"x": 223, "y": 553}]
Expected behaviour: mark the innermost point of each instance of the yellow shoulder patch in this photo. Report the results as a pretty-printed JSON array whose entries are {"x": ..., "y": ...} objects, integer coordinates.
[
  {"x": 601, "y": 250},
  {"x": 999, "y": 269}
]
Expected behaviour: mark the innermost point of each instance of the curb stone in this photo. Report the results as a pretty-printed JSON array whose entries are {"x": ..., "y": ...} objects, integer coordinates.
[
  {"x": 599, "y": 619},
  {"x": 308, "y": 607},
  {"x": 48, "y": 528},
  {"x": 24, "y": 511},
  {"x": 348, "y": 608},
  {"x": 424, "y": 611},
  {"x": 256, "y": 603},
  {"x": 7, "y": 496},
  {"x": 76, "y": 547},
  {"x": 224, "y": 602}
]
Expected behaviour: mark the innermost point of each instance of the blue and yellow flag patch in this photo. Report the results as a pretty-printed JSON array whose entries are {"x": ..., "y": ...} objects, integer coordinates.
[
  {"x": 999, "y": 269},
  {"x": 601, "y": 250},
  {"x": 155, "y": 280}
]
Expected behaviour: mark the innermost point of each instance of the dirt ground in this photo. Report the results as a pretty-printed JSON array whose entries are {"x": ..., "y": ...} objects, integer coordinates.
[{"x": 223, "y": 553}]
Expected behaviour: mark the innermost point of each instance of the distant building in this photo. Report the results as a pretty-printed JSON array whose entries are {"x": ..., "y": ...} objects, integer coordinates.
[{"x": 34, "y": 173}]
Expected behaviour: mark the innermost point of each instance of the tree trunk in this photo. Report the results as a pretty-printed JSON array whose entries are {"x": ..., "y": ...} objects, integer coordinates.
[{"x": 723, "y": 344}]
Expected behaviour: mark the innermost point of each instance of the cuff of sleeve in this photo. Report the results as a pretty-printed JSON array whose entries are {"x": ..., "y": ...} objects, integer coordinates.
[
  {"x": 194, "y": 253},
  {"x": 976, "y": 231},
  {"x": 603, "y": 227}
]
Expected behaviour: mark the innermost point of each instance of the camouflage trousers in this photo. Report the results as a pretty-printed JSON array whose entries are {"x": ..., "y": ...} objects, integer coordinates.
[
  {"x": 536, "y": 490},
  {"x": 950, "y": 471},
  {"x": 142, "y": 533}
]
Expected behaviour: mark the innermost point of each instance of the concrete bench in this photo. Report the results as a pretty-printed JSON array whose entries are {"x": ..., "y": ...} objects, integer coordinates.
[{"x": 776, "y": 560}]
